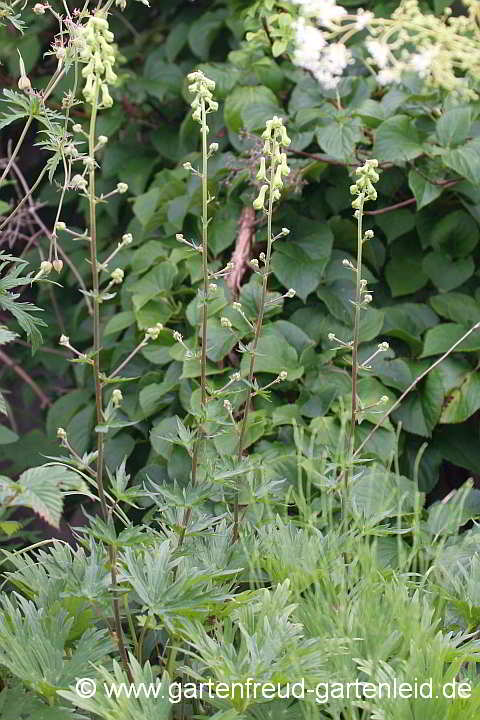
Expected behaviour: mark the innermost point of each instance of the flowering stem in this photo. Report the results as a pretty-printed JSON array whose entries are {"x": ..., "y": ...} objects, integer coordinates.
[
  {"x": 258, "y": 329},
  {"x": 97, "y": 376},
  {"x": 203, "y": 377},
  {"x": 356, "y": 333},
  {"x": 203, "y": 359},
  {"x": 96, "y": 305}
]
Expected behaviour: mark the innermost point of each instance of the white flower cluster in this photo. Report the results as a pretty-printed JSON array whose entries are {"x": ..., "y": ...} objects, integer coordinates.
[
  {"x": 325, "y": 61},
  {"x": 444, "y": 50},
  {"x": 325, "y": 12}
]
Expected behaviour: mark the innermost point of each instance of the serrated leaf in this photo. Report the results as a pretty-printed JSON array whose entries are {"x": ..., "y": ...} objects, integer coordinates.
[
  {"x": 463, "y": 401},
  {"x": 244, "y": 97},
  {"x": 404, "y": 274},
  {"x": 119, "y": 322},
  {"x": 340, "y": 137},
  {"x": 423, "y": 190},
  {"x": 442, "y": 337},
  {"x": 458, "y": 307},
  {"x": 203, "y": 32},
  {"x": 397, "y": 140},
  {"x": 465, "y": 160},
  {"x": 454, "y": 126},
  {"x": 420, "y": 411},
  {"x": 301, "y": 265},
  {"x": 7, "y": 436},
  {"x": 274, "y": 354},
  {"x": 41, "y": 489},
  {"x": 445, "y": 273},
  {"x": 145, "y": 205}
]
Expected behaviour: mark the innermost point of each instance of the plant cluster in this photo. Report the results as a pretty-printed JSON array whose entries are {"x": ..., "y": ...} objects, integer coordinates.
[{"x": 234, "y": 418}]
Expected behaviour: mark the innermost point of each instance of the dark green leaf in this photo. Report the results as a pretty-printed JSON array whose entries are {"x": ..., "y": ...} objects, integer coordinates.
[
  {"x": 397, "y": 140},
  {"x": 442, "y": 337},
  {"x": 244, "y": 98},
  {"x": 445, "y": 273},
  {"x": 424, "y": 191}
]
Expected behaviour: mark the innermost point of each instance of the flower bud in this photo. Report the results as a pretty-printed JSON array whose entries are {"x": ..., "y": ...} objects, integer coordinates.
[
  {"x": 78, "y": 182},
  {"x": 61, "y": 434},
  {"x": 117, "y": 398},
  {"x": 39, "y": 9},
  {"x": 64, "y": 340},
  {"x": 225, "y": 323},
  {"x": 58, "y": 265},
  {"x": 46, "y": 267},
  {"x": 117, "y": 276},
  {"x": 122, "y": 188},
  {"x": 283, "y": 375},
  {"x": 152, "y": 333},
  {"x": 77, "y": 128},
  {"x": 24, "y": 83},
  {"x": 127, "y": 239}
]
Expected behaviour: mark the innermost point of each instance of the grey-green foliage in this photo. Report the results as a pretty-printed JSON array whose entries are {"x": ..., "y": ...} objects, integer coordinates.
[
  {"x": 169, "y": 588},
  {"x": 346, "y": 610},
  {"x": 62, "y": 572},
  {"x": 33, "y": 646},
  {"x": 157, "y": 706}
]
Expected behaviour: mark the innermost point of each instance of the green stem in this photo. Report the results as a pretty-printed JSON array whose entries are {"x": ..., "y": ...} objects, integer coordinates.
[
  {"x": 97, "y": 340},
  {"x": 203, "y": 376},
  {"x": 96, "y": 306},
  {"x": 172, "y": 656},
  {"x": 203, "y": 358},
  {"x": 131, "y": 625},
  {"x": 356, "y": 334},
  {"x": 258, "y": 330},
  {"x": 141, "y": 639}
]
